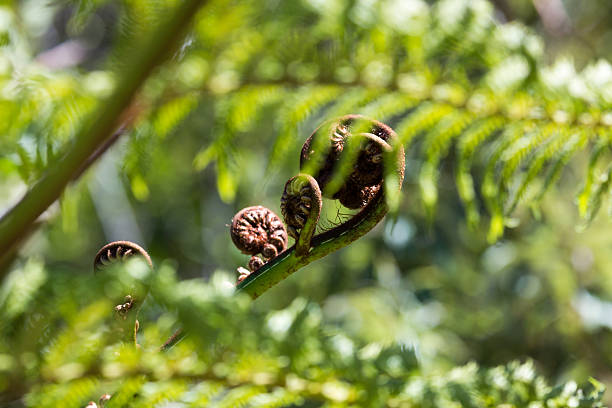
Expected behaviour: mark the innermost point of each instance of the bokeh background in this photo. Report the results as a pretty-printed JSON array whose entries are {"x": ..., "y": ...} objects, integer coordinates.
[{"x": 543, "y": 292}]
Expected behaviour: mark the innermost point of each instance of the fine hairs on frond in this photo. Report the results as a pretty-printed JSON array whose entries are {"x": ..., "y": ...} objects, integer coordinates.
[{"x": 333, "y": 217}]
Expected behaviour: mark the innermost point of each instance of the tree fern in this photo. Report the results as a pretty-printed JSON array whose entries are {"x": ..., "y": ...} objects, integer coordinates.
[{"x": 457, "y": 87}]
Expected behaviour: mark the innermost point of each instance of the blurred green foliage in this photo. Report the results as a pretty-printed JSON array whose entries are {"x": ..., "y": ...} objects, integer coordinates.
[
  {"x": 488, "y": 122},
  {"x": 55, "y": 347}
]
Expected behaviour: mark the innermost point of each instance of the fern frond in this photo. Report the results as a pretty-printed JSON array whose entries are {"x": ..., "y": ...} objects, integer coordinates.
[
  {"x": 297, "y": 108},
  {"x": 583, "y": 198},
  {"x": 203, "y": 394},
  {"x": 124, "y": 395},
  {"x": 574, "y": 144},
  {"x": 276, "y": 399},
  {"x": 519, "y": 150},
  {"x": 594, "y": 199},
  {"x": 472, "y": 139},
  {"x": 420, "y": 120},
  {"x": 240, "y": 396},
  {"x": 73, "y": 394},
  {"x": 540, "y": 157},
  {"x": 156, "y": 393},
  {"x": 168, "y": 116},
  {"x": 19, "y": 290},
  {"x": 435, "y": 146},
  {"x": 490, "y": 188},
  {"x": 353, "y": 99},
  {"x": 238, "y": 356},
  {"x": 388, "y": 106}
]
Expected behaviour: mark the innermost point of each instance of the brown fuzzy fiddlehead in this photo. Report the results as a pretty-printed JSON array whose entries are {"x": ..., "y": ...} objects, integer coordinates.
[
  {"x": 348, "y": 159},
  {"x": 345, "y": 156},
  {"x": 301, "y": 204},
  {"x": 258, "y": 230}
]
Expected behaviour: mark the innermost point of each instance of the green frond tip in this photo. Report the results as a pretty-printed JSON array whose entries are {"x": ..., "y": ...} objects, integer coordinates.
[
  {"x": 595, "y": 198},
  {"x": 496, "y": 227},
  {"x": 435, "y": 147},
  {"x": 583, "y": 197},
  {"x": 204, "y": 157},
  {"x": 227, "y": 180},
  {"x": 475, "y": 136}
]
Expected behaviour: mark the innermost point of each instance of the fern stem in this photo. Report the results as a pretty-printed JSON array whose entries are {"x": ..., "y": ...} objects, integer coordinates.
[
  {"x": 323, "y": 244},
  {"x": 96, "y": 131}
]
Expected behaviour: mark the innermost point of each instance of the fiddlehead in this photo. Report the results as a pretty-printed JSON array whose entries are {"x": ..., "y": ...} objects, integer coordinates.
[
  {"x": 345, "y": 159},
  {"x": 301, "y": 207},
  {"x": 258, "y": 230},
  {"x": 119, "y": 251},
  {"x": 128, "y": 307}
]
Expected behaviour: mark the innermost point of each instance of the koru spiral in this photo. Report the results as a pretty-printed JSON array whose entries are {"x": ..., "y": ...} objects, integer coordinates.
[
  {"x": 258, "y": 230},
  {"x": 119, "y": 251},
  {"x": 351, "y": 145}
]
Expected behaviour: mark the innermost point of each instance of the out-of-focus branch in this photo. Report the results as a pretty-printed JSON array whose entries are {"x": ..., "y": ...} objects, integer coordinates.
[{"x": 100, "y": 127}]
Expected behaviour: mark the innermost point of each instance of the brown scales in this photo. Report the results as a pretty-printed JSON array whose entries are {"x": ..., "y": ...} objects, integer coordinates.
[
  {"x": 367, "y": 175},
  {"x": 257, "y": 230},
  {"x": 295, "y": 207}
]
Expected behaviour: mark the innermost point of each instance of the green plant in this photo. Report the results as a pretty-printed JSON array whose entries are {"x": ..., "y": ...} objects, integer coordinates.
[
  {"x": 462, "y": 92},
  {"x": 235, "y": 355},
  {"x": 355, "y": 153}
]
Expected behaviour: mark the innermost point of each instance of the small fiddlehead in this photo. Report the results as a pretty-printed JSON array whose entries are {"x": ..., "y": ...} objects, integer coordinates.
[
  {"x": 301, "y": 207},
  {"x": 343, "y": 159},
  {"x": 127, "y": 310},
  {"x": 258, "y": 230},
  {"x": 119, "y": 251}
]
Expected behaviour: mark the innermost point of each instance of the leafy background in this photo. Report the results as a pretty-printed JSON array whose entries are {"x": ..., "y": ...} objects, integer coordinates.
[{"x": 497, "y": 103}]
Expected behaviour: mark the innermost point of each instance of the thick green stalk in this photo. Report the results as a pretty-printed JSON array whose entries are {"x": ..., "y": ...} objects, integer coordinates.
[
  {"x": 323, "y": 244},
  {"x": 97, "y": 130},
  {"x": 327, "y": 242}
]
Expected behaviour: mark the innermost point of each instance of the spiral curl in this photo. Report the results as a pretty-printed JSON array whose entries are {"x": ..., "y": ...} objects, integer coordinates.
[
  {"x": 119, "y": 251},
  {"x": 366, "y": 176},
  {"x": 258, "y": 230},
  {"x": 348, "y": 159}
]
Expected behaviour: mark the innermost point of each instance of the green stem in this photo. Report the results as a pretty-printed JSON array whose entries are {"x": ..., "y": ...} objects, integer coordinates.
[
  {"x": 323, "y": 244},
  {"x": 303, "y": 243},
  {"x": 97, "y": 130},
  {"x": 327, "y": 242}
]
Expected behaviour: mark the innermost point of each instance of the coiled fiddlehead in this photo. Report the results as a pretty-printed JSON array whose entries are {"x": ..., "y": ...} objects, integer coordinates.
[
  {"x": 301, "y": 204},
  {"x": 352, "y": 145},
  {"x": 119, "y": 251},
  {"x": 127, "y": 310},
  {"x": 343, "y": 159},
  {"x": 258, "y": 230}
]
